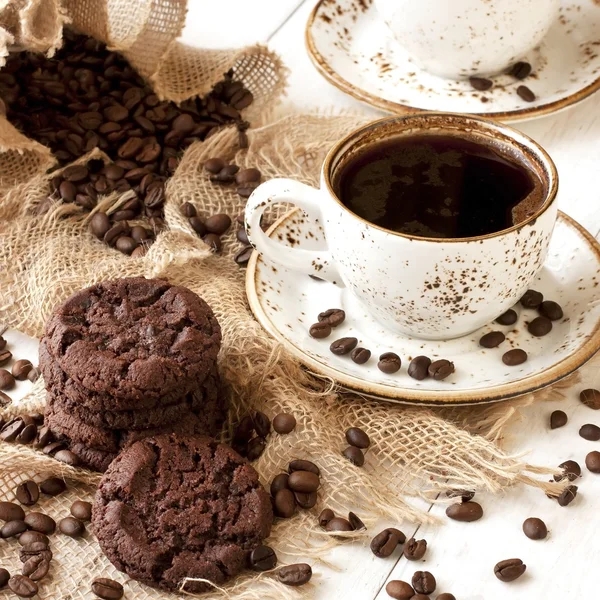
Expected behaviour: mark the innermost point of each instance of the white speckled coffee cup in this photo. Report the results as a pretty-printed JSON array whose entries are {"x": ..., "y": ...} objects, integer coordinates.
[{"x": 432, "y": 288}]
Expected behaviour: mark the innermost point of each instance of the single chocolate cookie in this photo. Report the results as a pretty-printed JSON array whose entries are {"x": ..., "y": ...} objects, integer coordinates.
[
  {"x": 134, "y": 339},
  {"x": 176, "y": 507}
]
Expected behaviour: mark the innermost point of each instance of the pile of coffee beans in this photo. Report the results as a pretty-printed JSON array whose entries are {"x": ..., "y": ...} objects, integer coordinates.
[
  {"x": 421, "y": 580},
  {"x": 296, "y": 488},
  {"x": 263, "y": 558},
  {"x": 327, "y": 321},
  {"x": 251, "y": 433},
  {"x": 358, "y": 441},
  {"x": 20, "y": 370},
  {"x": 519, "y": 71},
  {"x": 331, "y": 523}
]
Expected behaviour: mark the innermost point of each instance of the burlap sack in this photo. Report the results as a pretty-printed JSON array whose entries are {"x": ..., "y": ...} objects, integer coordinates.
[{"x": 45, "y": 258}]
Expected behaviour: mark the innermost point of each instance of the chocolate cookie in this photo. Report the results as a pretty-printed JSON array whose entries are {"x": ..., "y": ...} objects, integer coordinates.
[
  {"x": 176, "y": 507},
  {"x": 134, "y": 339},
  {"x": 95, "y": 460}
]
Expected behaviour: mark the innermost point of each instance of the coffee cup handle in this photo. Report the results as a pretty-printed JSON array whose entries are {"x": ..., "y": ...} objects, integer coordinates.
[{"x": 319, "y": 263}]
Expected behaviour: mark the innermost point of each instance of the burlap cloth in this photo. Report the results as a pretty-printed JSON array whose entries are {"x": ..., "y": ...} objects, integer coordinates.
[{"x": 43, "y": 259}]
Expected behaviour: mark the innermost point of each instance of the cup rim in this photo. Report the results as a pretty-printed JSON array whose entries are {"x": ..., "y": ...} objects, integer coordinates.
[{"x": 526, "y": 143}]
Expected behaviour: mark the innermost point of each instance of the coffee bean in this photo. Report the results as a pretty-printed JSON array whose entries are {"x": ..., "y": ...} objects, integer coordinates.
[
  {"x": 107, "y": 589},
  {"x": 551, "y": 310},
  {"x": 360, "y": 355},
  {"x": 53, "y": 486},
  {"x": 198, "y": 225},
  {"x": 326, "y": 515},
  {"x": 531, "y": 299},
  {"x": 5, "y": 356},
  {"x": 242, "y": 257},
  {"x": 40, "y": 522},
  {"x": 126, "y": 244},
  {"x": 38, "y": 418},
  {"x": 464, "y": 495},
  {"x": 520, "y": 70},
  {"x": 75, "y": 173},
  {"x": 295, "y": 575},
  {"x": 590, "y": 432},
  {"x": 356, "y": 522},
  {"x": 214, "y": 165},
  {"x": 507, "y": 318},
  {"x": 389, "y": 363},
  {"x": 514, "y": 357},
  {"x": 399, "y": 590},
  {"x": 13, "y": 528},
  {"x": 263, "y": 558},
  {"x": 419, "y": 367},
  {"x": 285, "y": 503},
  {"x": 225, "y": 175},
  {"x": 558, "y": 418},
  {"x": 343, "y": 346},
  {"x": 280, "y": 482},
  {"x": 592, "y": 461},
  {"x": 384, "y": 543},
  {"x": 480, "y": 83},
  {"x": 27, "y": 493},
  {"x": 22, "y": 586},
  {"x": 67, "y": 457},
  {"x": 212, "y": 240},
  {"x": 525, "y": 93},
  {"x": 4, "y": 577},
  {"x": 99, "y": 225},
  {"x": 262, "y": 424},
  {"x": 306, "y": 500},
  {"x": 338, "y": 524},
  {"x": 465, "y": 511},
  {"x": 242, "y": 236},
  {"x": 540, "y": 326},
  {"x": 71, "y": 527},
  {"x": 52, "y": 448},
  {"x": 509, "y": 570},
  {"x": 357, "y": 437},
  {"x": 284, "y": 423},
  {"x": 115, "y": 232},
  {"x": 218, "y": 224},
  {"x": 245, "y": 176},
  {"x": 492, "y": 339},
  {"x": 27, "y": 434},
  {"x": 320, "y": 331},
  {"x": 9, "y": 511},
  {"x": 354, "y": 455},
  {"x": 245, "y": 191},
  {"x": 303, "y": 465},
  {"x": 5, "y": 400},
  {"x": 535, "y": 529},
  {"x": 139, "y": 252},
  {"x": 38, "y": 550},
  {"x": 11, "y": 430},
  {"x": 256, "y": 446},
  {"x": 67, "y": 191},
  {"x": 188, "y": 210},
  {"x": 20, "y": 369},
  {"x": 440, "y": 369},
  {"x": 424, "y": 582},
  {"x": 36, "y": 568},
  {"x": 568, "y": 495},
  {"x": 333, "y": 316},
  {"x": 140, "y": 234},
  {"x": 571, "y": 470},
  {"x": 7, "y": 381},
  {"x": 303, "y": 481},
  {"x": 415, "y": 549},
  {"x": 591, "y": 398},
  {"x": 32, "y": 537}
]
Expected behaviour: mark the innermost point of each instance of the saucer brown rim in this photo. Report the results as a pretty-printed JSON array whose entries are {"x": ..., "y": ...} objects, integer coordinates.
[
  {"x": 497, "y": 393},
  {"x": 345, "y": 86}
]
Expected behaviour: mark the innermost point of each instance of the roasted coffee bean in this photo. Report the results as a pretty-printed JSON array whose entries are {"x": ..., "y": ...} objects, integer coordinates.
[
  {"x": 115, "y": 232},
  {"x": 214, "y": 165},
  {"x": 126, "y": 244},
  {"x": 139, "y": 252},
  {"x": 389, "y": 362},
  {"x": 384, "y": 543},
  {"x": 245, "y": 191},
  {"x": 184, "y": 124},
  {"x": 75, "y": 173},
  {"x": 343, "y": 346},
  {"x": 507, "y": 318},
  {"x": 5, "y": 400},
  {"x": 535, "y": 529},
  {"x": 2, "y": 343},
  {"x": 226, "y": 174},
  {"x": 357, "y": 437},
  {"x": 245, "y": 429},
  {"x": 22, "y": 586},
  {"x": 514, "y": 357},
  {"x": 419, "y": 367},
  {"x": 306, "y": 500},
  {"x": 540, "y": 326},
  {"x": 480, "y": 83},
  {"x": 531, "y": 299},
  {"x": 99, "y": 225},
  {"x": 242, "y": 257},
  {"x": 5, "y": 357},
  {"x": 4, "y": 577},
  {"x": 360, "y": 355},
  {"x": 13, "y": 528},
  {"x": 39, "y": 550},
  {"x": 32, "y": 537},
  {"x": 303, "y": 465},
  {"x": 424, "y": 582},
  {"x": 11, "y": 430},
  {"x": 464, "y": 495},
  {"x": 263, "y": 558},
  {"x": 280, "y": 482},
  {"x": 571, "y": 470},
  {"x": 465, "y": 511},
  {"x": 140, "y": 234},
  {"x": 399, "y": 590},
  {"x": 354, "y": 455},
  {"x": 590, "y": 432},
  {"x": 52, "y": 448},
  {"x": 262, "y": 424},
  {"x": 36, "y": 568},
  {"x": 326, "y": 515},
  {"x": 509, "y": 570},
  {"x": 27, "y": 493},
  {"x": 188, "y": 210},
  {"x": 355, "y": 521},
  {"x": 303, "y": 481},
  {"x": 213, "y": 240},
  {"x": 40, "y": 522},
  {"x": 9, "y": 511},
  {"x": 440, "y": 369},
  {"x": 338, "y": 524},
  {"x": 525, "y": 93},
  {"x": 20, "y": 369},
  {"x": 27, "y": 434},
  {"x": 591, "y": 398},
  {"x": 198, "y": 225},
  {"x": 53, "y": 486},
  {"x": 415, "y": 549},
  {"x": 295, "y": 575},
  {"x": 284, "y": 423},
  {"x": 72, "y": 527},
  {"x": 285, "y": 503},
  {"x": 67, "y": 457},
  {"x": 38, "y": 418},
  {"x": 320, "y": 331},
  {"x": 107, "y": 589},
  {"x": 568, "y": 495},
  {"x": 558, "y": 418},
  {"x": 245, "y": 176},
  {"x": 242, "y": 236},
  {"x": 551, "y": 310},
  {"x": 7, "y": 381},
  {"x": 218, "y": 224},
  {"x": 256, "y": 446},
  {"x": 520, "y": 70},
  {"x": 67, "y": 191},
  {"x": 333, "y": 316},
  {"x": 492, "y": 339},
  {"x": 592, "y": 461}
]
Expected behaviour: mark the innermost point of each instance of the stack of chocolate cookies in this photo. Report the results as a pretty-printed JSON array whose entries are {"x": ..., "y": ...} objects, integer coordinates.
[{"x": 127, "y": 359}]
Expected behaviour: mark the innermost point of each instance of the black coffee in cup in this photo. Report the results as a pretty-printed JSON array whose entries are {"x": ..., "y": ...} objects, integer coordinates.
[{"x": 440, "y": 186}]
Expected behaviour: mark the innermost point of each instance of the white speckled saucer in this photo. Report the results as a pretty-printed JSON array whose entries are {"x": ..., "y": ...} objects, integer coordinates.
[
  {"x": 286, "y": 303},
  {"x": 352, "y": 47}
]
